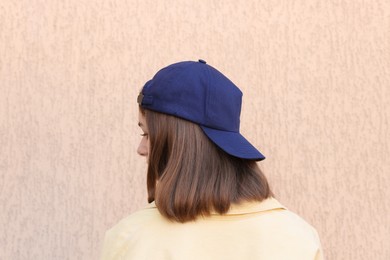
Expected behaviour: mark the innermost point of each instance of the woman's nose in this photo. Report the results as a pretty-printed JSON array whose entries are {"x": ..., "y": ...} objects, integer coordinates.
[{"x": 142, "y": 149}]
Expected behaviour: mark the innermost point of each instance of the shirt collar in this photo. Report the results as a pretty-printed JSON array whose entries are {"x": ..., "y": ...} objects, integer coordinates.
[
  {"x": 246, "y": 207},
  {"x": 254, "y": 207}
]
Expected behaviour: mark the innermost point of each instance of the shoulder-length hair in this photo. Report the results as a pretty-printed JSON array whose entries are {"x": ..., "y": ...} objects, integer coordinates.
[{"x": 189, "y": 176}]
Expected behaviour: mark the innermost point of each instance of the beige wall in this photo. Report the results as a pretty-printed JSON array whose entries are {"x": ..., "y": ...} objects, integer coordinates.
[{"x": 316, "y": 82}]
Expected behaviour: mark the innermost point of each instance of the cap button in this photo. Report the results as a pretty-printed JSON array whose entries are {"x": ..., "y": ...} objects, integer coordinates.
[{"x": 202, "y": 61}]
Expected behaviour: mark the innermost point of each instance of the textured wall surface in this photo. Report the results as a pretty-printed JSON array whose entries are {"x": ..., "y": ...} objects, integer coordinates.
[{"x": 316, "y": 81}]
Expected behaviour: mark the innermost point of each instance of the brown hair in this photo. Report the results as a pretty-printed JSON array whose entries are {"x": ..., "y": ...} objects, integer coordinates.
[{"x": 188, "y": 176}]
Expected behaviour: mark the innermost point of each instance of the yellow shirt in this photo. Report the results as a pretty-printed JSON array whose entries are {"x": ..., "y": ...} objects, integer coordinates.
[{"x": 252, "y": 230}]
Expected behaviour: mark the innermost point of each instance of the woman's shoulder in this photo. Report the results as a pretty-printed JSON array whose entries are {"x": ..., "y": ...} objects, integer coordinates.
[
  {"x": 118, "y": 237},
  {"x": 134, "y": 221}
]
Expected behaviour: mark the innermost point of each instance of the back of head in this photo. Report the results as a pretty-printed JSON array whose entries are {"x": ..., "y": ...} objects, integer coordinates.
[{"x": 198, "y": 160}]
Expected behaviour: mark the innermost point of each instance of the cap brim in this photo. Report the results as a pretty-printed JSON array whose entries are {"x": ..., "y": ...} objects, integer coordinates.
[{"x": 233, "y": 143}]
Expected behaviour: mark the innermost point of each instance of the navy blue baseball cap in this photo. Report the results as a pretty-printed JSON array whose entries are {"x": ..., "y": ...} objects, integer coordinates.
[{"x": 199, "y": 93}]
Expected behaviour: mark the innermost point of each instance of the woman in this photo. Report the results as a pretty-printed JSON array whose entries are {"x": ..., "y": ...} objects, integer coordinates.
[{"x": 208, "y": 198}]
